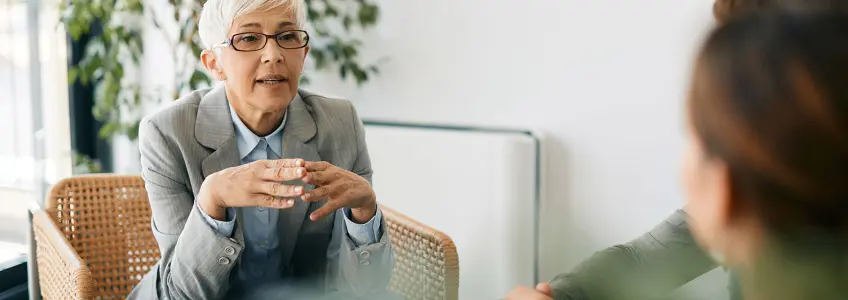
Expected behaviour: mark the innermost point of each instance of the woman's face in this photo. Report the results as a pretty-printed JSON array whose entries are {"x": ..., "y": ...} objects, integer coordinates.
[
  {"x": 265, "y": 80},
  {"x": 706, "y": 185}
]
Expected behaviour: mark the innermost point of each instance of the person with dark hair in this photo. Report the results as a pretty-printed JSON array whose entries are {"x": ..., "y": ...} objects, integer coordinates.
[
  {"x": 766, "y": 170},
  {"x": 668, "y": 256}
]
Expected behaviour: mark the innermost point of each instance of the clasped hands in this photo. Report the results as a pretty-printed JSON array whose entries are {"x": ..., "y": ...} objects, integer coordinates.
[{"x": 261, "y": 183}]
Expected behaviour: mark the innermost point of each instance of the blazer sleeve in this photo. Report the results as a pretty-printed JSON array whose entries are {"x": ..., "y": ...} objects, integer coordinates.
[
  {"x": 651, "y": 265},
  {"x": 359, "y": 271},
  {"x": 196, "y": 260}
]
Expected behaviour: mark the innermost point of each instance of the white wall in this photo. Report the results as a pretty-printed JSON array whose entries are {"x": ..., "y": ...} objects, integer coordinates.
[{"x": 604, "y": 79}]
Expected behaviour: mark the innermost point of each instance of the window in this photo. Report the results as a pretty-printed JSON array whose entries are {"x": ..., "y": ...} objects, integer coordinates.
[
  {"x": 16, "y": 123},
  {"x": 34, "y": 134}
]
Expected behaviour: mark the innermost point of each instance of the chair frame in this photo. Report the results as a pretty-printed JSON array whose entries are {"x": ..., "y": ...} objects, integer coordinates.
[{"x": 426, "y": 266}]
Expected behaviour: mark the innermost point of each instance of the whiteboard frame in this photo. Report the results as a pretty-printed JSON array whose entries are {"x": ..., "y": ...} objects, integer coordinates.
[{"x": 539, "y": 170}]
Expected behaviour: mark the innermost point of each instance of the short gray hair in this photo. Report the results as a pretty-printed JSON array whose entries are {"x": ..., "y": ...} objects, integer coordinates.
[{"x": 218, "y": 15}]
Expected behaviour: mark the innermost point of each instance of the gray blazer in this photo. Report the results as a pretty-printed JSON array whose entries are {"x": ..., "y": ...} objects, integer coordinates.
[
  {"x": 193, "y": 138},
  {"x": 648, "y": 267}
]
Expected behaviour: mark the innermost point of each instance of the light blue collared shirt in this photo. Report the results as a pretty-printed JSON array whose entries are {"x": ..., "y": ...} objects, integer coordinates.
[{"x": 261, "y": 260}]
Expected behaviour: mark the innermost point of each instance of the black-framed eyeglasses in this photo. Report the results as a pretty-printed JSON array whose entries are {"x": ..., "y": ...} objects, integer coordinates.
[{"x": 255, "y": 41}]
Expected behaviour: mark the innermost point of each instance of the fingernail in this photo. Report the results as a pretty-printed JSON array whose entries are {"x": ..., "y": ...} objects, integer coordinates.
[
  {"x": 299, "y": 162},
  {"x": 298, "y": 189},
  {"x": 299, "y": 171},
  {"x": 290, "y": 202}
]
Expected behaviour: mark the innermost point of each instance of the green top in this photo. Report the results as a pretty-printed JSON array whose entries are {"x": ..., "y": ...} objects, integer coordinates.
[
  {"x": 811, "y": 266},
  {"x": 647, "y": 267}
]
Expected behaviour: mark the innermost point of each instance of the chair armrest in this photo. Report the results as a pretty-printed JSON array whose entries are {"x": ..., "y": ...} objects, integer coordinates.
[
  {"x": 61, "y": 271},
  {"x": 426, "y": 260}
]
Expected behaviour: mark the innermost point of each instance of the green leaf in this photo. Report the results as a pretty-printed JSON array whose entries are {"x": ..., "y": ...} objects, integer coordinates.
[
  {"x": 349, "y": 51},
  {"x": 358, "y": 74},
  {"x": 72, "y": 75},
  {"x": 132, "y": 130},
  {"x": 343, "y": 70},
  {"x": 196, "y": 49},
  {"x": 346, "y": 22},
  {"x": 320, "y": 58},
  {"x": 312, "y": 14},
  {"x": 330, "y": 11},
  {"x": 368, "y": 14},
  {"x": 107, "y": 130},
  {"x": 198, "y": 78}
]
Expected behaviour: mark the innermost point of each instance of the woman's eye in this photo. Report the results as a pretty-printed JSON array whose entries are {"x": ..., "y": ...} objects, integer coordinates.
[
  {"x": 249, "y": 38},
  {"x": 287, "y": 37}
]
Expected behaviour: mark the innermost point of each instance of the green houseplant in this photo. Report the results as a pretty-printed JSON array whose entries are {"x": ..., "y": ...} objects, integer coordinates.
[{"x": 111, "y": 56}]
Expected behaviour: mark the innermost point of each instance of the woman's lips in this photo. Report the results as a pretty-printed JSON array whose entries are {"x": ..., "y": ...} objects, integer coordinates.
[{"x": 271, "y": 82}]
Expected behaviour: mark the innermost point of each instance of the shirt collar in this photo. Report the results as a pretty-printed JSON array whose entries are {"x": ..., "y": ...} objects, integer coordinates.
[{"x": 246, "y": 140}]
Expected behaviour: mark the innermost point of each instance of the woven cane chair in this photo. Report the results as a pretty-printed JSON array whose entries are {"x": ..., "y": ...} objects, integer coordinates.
[
  {"x": 426, "y": 261},
  {"x": 93, "y": 241}
]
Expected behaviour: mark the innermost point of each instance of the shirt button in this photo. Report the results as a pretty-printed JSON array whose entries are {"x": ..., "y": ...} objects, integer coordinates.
[
  {"x": 262, "y": 244},
  {"x": 229, "y": 250},
  {"x": 261, "y": 208},
  {"x": 364, "y": 254},
  {"x": 224, "y": 260}
]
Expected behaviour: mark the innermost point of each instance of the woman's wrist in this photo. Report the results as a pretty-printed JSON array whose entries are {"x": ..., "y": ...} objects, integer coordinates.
[
  {"x": 362, "y": 215},
  {"x": 210, "y": 205},
  {"x": 214, "y": 211}
]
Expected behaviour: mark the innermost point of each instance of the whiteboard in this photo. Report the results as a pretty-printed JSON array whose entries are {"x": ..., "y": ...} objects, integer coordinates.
[{"x": 479, "y": 186}]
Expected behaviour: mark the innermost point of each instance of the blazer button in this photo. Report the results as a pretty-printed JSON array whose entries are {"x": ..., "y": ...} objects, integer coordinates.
[
  {"x": 224, "y": 260},
  {"x": 364, "y": 262},
  {"x": 229, "y": 250},
  {"x": 364, "y": 254}
]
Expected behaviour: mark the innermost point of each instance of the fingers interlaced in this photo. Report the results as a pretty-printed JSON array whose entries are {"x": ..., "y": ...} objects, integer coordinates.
[
  {"x": 278, "y": 189},
  {"x": 319, "y": 193},
  {"x": 274, "y": 202},
  {"x": 287, "y": 163},
  {"x": 312, "y": 166},
  {"x": 319, "y": 178},
  {"x": 282, "y": 173}
]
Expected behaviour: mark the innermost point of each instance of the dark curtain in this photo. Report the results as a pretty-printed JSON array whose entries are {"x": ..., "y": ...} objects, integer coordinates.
[{"x": 85, "y": 139}]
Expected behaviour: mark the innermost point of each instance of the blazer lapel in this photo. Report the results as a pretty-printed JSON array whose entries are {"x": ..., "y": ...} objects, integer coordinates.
[
  {"x": 300, "y": 129},
  {"x": 214, "y": 130}
]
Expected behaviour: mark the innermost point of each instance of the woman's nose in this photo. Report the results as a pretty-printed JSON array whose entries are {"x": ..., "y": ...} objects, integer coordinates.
[
  {"x": 272, "y": 53},
  {"x": 270, "y": 59}
]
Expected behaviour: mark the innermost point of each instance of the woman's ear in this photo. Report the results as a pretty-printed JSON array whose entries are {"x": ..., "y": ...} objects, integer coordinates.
[
  {"x": 726, "y": 208},
  {"x": 211, "y": 61}
]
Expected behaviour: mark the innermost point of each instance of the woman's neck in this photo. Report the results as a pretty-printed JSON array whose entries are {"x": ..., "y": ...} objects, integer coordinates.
[{"x": 259, "y": 122}]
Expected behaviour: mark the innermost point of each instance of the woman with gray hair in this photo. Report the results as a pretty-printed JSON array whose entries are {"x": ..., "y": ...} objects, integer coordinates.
[{"x": 259, "y": 189}]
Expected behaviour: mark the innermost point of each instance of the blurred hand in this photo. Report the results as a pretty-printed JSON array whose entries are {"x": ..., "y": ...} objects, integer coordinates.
[
  {"x": 341, "y": 188},
  {"x": 542, "y": 292},
  {"x": 545, "y": 288},
  {"x": 254, "y": 184}
]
